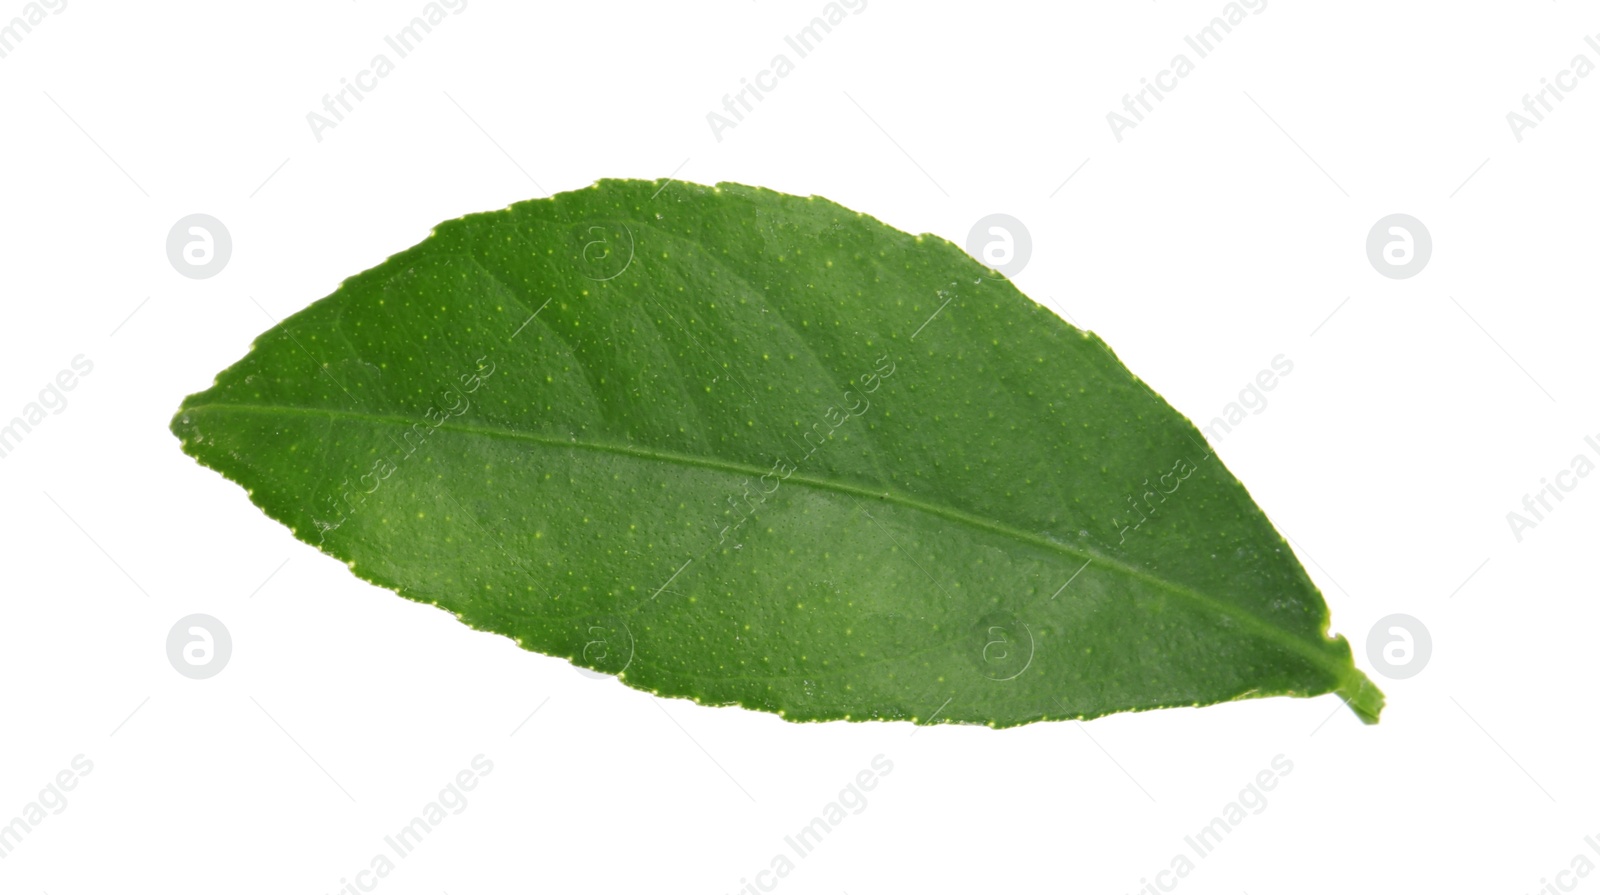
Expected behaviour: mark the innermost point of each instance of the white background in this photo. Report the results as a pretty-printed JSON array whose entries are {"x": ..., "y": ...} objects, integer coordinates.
[{"x": 1222, "y": 231}]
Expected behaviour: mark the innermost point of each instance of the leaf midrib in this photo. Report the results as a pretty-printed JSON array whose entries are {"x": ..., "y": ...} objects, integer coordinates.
[{"x": 1261, "y": 627}]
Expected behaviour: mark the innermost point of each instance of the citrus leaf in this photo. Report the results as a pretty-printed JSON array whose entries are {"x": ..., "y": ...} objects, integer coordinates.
[{"x": 758, "y": 449}]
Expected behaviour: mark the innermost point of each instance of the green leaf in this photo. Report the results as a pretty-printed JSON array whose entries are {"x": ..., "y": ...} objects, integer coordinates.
[{"x": 757, "y": 449}]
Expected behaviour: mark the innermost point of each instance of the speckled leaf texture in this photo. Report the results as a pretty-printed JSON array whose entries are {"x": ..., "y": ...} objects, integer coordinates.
[{"x": 757, "y": 449}]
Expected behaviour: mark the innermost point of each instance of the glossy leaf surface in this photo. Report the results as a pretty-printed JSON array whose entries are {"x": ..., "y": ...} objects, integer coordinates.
[{"x": 758, "y": 449}]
